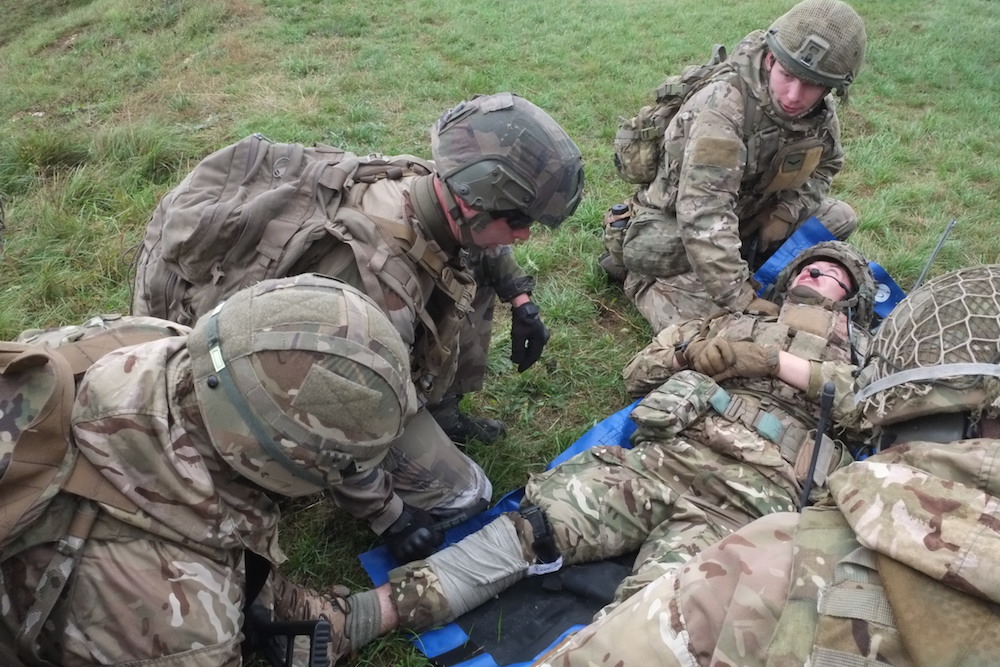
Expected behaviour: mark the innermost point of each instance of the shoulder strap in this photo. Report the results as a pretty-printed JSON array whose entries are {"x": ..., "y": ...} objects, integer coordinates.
[{"x": 43, "y": 446}]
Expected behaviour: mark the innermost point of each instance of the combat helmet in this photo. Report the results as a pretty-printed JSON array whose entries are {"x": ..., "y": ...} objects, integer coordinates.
[
  {"x": 820, "y": 42},
  {"x": 505, "y": 157},
  {"x": 937, "y": 354},
  {"x": 300, "y": 380},
  {"x": 859, "y": 304}
]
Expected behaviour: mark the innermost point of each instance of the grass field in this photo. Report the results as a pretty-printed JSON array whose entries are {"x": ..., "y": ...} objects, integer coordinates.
[{"x": 108, "y": 103}]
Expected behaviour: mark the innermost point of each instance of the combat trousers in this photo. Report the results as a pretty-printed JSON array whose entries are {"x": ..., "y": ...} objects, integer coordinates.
[{"x": 666, "y": 501}]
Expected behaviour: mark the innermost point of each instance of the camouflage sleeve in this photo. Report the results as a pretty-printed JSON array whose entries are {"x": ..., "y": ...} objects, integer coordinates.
[
  {"x": 500, "y": 269},
  {"x": 930, "y": 506},
  {"x": 655, "y": 363},
  {"x": 721, "y": 608},
  {"x": 369, "y": 496},
  {"x": 799, "y": 202},
  {"x": 708, "y": 187},
  {"x": 841, "y": 374}
]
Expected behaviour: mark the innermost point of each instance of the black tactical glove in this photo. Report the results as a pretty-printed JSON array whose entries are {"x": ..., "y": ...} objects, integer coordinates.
[
  {"x": 413, "y": 535},
  {"x": 528, "y": 335}
]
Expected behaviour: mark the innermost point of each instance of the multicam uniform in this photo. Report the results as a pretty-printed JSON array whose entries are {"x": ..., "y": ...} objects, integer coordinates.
[
  {"x": 719, "y": 192},
  {"x": 900, "y": 572},
  {"x": 160, "y": 576},
  {"x": 165, "y": 580},
  {"x": 899, "y": 567},
  {"x": 706, "y": 461}
]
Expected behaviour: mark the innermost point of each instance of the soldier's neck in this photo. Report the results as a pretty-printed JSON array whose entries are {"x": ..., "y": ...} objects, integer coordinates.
[{"x": 429, "y": 213}]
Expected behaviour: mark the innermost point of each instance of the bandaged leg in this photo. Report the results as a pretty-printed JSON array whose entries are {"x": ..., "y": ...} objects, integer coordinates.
[{"x": 463, "y": 576}]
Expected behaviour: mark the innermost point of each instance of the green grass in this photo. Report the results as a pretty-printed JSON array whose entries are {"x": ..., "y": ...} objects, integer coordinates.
[{"x": 107, "y": 103}]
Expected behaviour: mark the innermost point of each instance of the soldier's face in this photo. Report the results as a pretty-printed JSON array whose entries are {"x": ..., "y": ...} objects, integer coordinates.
[
  {"x": 497, "y": 233},
  {"x": 828, "y": 279},
  {"x": 494, "y": 233},
  {"x": 794, "y": 96}
]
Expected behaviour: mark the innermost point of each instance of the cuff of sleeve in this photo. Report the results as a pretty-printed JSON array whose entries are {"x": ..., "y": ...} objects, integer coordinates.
[
  {"x": 392, "y": 511},
  {"x": 742, "y": 299},
  {"x": 815, "y": 380}
]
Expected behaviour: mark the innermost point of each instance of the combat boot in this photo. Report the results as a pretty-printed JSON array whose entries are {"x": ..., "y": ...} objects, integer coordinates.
[
  {"x": 460, "y": 427},
  {"x": 293, "y": 602},
  {"x": 615, "y": 271}
]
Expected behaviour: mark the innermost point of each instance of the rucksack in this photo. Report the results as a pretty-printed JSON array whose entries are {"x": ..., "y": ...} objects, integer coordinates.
[
  {"x": 260, "y": 209},
  {"x": 37, "y": 388},
  {"x": 638, "y": 143}
]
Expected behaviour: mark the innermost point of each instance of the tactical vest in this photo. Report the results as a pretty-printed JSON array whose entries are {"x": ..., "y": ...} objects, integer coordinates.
[
  {"x": 258, "y": 209},
  {"x": 771, "y": 407},
  {"x": 781, "y": 155},
  {"x": 850, "y": 607}
]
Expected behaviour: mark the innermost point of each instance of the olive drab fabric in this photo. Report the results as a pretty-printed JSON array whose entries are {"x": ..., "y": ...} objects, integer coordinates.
[{"x": 259, "y": 209}]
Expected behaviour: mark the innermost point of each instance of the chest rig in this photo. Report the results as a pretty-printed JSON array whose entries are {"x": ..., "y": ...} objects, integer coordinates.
[{"x": 779, "y": 412}]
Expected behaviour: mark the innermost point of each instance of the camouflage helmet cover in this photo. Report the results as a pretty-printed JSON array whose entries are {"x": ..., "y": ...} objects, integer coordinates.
[
  {"x": 860, "y": 302},
  {"x": 502, "y": 154},
  {"x": 938, "y": 351},
  {"x": 297, "y": 378},
  {"x": 821, "y": 42}
]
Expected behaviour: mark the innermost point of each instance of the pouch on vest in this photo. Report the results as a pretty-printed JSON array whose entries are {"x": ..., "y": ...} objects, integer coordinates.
[
  {"x": 673, "y": 406},
  {"x": 653, "y": 245},
  {"x": 831, "y": 456},
  {"x": 615, "y": 223},
  {"x": 792, "y": 166}
]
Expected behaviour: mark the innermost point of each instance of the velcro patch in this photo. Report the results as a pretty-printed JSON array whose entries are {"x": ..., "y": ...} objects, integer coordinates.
[{"x": 716, "y": 152}]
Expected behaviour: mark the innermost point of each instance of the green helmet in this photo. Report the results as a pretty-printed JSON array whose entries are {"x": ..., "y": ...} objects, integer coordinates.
[
  {"x": 821, "y": 42},
  {"x": 505, "y": 157},
  {"x": 859, "y": 303},
  {"x": 937, "y": 352},
  {"x": 299, "y": 379}
]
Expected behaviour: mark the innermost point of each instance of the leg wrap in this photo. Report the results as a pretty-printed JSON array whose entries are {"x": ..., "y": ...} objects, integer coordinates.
[{"x": 458, "y": 578}]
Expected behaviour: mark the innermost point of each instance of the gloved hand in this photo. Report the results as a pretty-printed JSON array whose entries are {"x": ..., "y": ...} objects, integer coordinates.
[
  {"x": 528, "y": 335},
  {"x": 413, "y": 535},
  {"x": 722, "y": 359},
  {"x": 761, "y": 306}
]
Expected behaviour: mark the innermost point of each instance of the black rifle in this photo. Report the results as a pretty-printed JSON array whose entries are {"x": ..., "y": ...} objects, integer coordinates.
[
  {"x": 275, "y": 640},
  {"x": 825, "y": 406}
]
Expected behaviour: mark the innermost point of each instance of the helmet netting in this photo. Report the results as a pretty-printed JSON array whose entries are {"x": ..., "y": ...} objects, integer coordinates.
[{"x": 953, "y": 319}]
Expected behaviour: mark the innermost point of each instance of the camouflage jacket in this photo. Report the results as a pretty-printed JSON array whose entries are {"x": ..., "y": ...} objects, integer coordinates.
[
  {"x": 388, "y": 200},
  {"x": 811, "y": 332},
  {"x": 713, "y": 180},
  {"x": 900, "y": 571},
  {"x": 136, "y": 418}
]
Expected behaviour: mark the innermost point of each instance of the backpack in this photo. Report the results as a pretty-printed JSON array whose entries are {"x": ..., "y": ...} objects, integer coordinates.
[
  {"x": 37, "y": 389},
  {"x": 259, "y": 209},
  {"x": 638, "y": 143}
]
